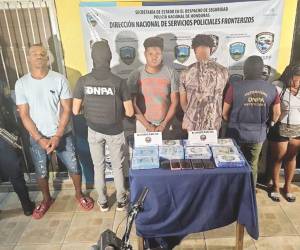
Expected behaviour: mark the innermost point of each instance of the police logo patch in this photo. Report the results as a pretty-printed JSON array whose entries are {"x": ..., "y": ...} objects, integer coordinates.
[
  {"x": 235, "y": 78},
  {"x": 237, "y": 50},
  {"x": 216, "y": 43},
  {"x": 91, "y": 19},
  {"x": 127, "y": 54},
  {"x": 182, "y": 53},
  {"x": 264, "y": 41}
]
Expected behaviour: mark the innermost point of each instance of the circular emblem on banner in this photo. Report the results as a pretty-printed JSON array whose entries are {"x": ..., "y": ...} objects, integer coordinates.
[
  {"x": 148, "y": 139},
  {"x": 182, "y": 53},
  {"x": 91, "y": 19},
  {"x": 264, "y": 41},
  {"x": 237, "y": 50}
]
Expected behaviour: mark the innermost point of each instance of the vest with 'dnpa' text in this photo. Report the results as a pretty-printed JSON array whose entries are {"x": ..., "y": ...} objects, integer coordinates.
[
  {"x": 102, "y": 101},
  {"x": 250, "y": 110}
]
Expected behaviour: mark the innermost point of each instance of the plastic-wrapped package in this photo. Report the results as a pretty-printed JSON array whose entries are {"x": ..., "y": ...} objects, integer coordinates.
[{"x": 197, "y": 152}]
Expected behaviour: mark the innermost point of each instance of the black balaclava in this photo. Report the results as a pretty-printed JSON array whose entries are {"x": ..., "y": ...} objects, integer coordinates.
[
  {"x": 253, "y": 68},
  {"x": 101, "y": 56}
]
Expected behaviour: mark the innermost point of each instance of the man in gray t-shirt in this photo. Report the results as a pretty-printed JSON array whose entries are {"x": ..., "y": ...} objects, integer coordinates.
[
  {"x": 44, "y": 101},
  {"x": 43, "y": 97}
]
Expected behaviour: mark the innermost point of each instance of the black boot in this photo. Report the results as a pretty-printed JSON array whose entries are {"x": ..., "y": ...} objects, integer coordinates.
[{"x": 28, "y": 207}]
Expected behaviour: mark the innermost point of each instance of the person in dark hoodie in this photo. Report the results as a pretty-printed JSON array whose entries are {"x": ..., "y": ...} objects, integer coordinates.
[
  {"x": 106, "y": 99},
  {"x": 248, "y": 106},
  {"x": 10, "y": 162}
]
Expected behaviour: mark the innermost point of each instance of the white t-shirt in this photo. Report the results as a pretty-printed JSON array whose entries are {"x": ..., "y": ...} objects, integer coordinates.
[
  {"x": 43, "y": 97},
  {"x": 290, "y": 105}
]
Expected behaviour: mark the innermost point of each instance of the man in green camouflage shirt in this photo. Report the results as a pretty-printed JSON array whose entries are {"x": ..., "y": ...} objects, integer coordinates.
[{"x": 201, "y": 88}]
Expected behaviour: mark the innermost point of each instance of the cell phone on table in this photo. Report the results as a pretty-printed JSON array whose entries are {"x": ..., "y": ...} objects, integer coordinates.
[
  {"x": 197, "y": 164},
  {"x": 165, "y": 164},
  {"x": 185, "y": 164},
  {"x": 208, "y": 164},
  {"x": 175, "y": 165}
]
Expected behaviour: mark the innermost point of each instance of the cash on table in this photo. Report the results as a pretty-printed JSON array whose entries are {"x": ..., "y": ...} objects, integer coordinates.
[{"x": 180, "y": 154}]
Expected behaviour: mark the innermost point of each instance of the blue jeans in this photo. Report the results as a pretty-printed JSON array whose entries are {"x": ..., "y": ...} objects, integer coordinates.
[{"x": 65, "y": 152}]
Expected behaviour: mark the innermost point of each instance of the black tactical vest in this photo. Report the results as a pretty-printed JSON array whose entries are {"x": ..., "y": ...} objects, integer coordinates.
[{"x": 102, "y": 100}]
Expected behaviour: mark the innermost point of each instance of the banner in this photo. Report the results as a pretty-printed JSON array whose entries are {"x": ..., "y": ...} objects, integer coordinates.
[{"x": 239, "y": 29}]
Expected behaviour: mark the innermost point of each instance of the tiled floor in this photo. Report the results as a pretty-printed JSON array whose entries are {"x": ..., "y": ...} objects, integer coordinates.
[{"x": 67, "y": 227}]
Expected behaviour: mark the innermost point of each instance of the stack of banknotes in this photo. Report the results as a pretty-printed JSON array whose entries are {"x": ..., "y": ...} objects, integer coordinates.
[
  {"x": 227, "y": 157},
  {"x": 145, "y": 158}
]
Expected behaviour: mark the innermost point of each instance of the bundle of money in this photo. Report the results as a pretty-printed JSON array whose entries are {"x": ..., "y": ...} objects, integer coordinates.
[
  {"x": 197, "y": 152},
  {"x": 145, "y": 151},
  {"x": 146, "y": 162},
  {"x": 227, "y": 157},
  {"x": 223, "y": 142}
]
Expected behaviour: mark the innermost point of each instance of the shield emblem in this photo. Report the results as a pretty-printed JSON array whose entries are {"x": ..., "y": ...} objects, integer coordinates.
[
  {"x": 237, "y": 50},
  {"x": 91, "y": 19},
  {"x": 182, "y": 53},
  {"x": 127, "y": 54},
  {"x": 216, "y": 43},
  {"x": 235, "y": 78},
  {"x": 264, "y": 41},
  {"x": 266, "y": 72}
]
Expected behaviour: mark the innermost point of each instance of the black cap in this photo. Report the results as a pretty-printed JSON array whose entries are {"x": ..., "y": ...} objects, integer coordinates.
[
  {"x": 154, "y": 42},
  {"x": 203, "y": 40}
]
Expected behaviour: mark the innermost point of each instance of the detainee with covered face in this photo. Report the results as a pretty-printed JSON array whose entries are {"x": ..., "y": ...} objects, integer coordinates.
[
  {"x": 201, "y": 88},
  {"x": 249, "y": 106},
  {"x": 106, "y": 100}
]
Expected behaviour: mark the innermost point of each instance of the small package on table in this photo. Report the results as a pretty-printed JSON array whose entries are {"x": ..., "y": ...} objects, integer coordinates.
[
  {"x": 145, "y": 151},
  {"x": 227, "y": 157},
  {"x": 197, "y": 152},
  {"x": 171, "y": 149},
  {"x": 145, "y": 162},
  {"x": 223, "y": 142}
]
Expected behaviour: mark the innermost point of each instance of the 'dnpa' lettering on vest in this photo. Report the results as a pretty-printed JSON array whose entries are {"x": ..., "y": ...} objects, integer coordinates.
[{"x": 89, "y": 90}]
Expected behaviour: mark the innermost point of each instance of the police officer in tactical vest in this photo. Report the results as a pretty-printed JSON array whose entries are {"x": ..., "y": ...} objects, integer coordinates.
[
  {"x": 106, "y": 100},
  {"x": 10, "y": 162},
  {"x": 248, "y": 106}
]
